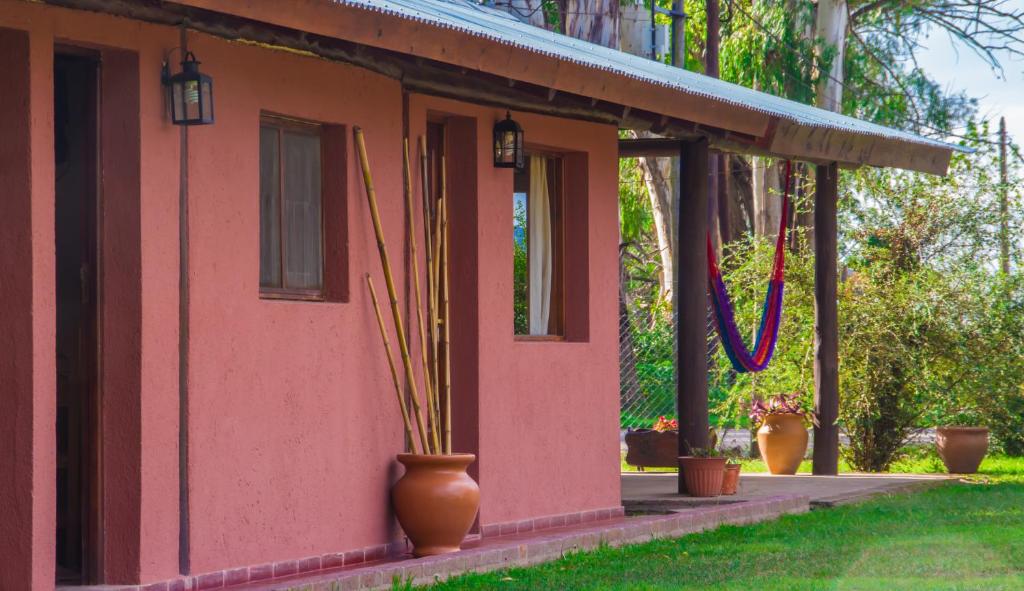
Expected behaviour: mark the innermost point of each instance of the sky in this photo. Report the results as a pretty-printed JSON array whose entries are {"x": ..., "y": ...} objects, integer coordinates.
[{"x": 955, "y": 66}]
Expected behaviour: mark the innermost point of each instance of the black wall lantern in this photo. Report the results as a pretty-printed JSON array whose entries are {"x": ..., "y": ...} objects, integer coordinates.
[
  {"x": 508, "y": 144},
  {"x": 189, "y": 93}
]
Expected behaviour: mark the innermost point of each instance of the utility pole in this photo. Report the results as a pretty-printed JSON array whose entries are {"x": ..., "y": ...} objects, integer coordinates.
[
  {"x": 1004, "y": 206},
  {"x": 677, "y": 55}
]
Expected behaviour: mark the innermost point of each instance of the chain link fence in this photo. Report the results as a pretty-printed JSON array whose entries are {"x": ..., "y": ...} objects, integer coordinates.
[{"x": 647, "y": 371}]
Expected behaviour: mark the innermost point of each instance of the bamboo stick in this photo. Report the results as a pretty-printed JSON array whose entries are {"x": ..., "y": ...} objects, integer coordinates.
[
  {"x": 391, "y": 365},
  {"x": 447, "y": 349},
  {"x": 433, "y": 404},
  {"x": 371, "y": 197},
  {"x": 435, "y": 270},
  {"x": 428, "y": 214}
]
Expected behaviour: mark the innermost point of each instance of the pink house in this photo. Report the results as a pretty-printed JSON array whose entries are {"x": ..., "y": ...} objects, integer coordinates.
[{"x": 190, "y": 370}]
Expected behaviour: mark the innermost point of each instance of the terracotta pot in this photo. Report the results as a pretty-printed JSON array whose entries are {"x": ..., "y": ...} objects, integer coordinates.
[
  {"x": 962, "y": 448},
  {"x": 731, "y": 479},
  {"x": 647, "y": 448},
  {"x": 435, "y": 501},
  {"x": 703, "y": 476},
  {"x": 782, "y": 440}
]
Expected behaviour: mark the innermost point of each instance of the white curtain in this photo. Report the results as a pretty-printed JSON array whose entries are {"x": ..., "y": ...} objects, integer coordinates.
[{"x": 539, "y": 220}]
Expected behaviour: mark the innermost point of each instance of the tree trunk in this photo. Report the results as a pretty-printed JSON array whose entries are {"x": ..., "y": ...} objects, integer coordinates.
[
  {"x": 661, "y": 189},
  {"x": 634, "y": 29},
  {"x": 830, "y": 26},
  {"x": 767, "y": 196},
  {"x": 596, "y": 21},
  {"x": 714, "y": 160}
]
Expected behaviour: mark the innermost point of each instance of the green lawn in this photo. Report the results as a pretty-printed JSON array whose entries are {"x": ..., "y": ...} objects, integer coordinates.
[{"x": 967, "y": 535}]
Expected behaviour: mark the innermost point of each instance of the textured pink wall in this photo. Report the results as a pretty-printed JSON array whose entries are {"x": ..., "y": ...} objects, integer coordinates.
[
  {"x": 27, "y": 362},
  {"x": 548, "y": 411},
  {"x": 140, "y": 506},
  {"x": 292, "y": 425}
]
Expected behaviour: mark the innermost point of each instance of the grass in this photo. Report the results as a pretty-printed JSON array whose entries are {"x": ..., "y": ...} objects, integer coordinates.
[{"x": 967, "y": 535}]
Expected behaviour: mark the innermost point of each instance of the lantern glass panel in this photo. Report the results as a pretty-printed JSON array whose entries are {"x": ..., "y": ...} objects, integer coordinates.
[
  {"x": 177, "y": 103},
  {"x": 206, "y": 99}
]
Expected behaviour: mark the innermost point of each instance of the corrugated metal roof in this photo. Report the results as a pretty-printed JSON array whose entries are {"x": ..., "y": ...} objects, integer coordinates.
[{"x": 476, "y": 20}]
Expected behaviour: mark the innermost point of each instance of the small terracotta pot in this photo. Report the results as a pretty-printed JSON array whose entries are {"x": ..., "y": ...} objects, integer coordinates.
[
  {"x": 962, "y": 448},
  {"x": 435, "y": 501},
  {"x": 731, "y": 479},
  {"x": 703, "y": 476},
  {"x": 782, "y": 440}
]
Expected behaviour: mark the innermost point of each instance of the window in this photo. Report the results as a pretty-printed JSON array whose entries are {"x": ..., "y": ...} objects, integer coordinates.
[
  {"x": 291, "y": 209},
  {"x": 538, "y": 248}
]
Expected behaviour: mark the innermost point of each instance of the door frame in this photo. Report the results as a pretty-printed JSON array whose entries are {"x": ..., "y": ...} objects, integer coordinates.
[{"x": 91, "y": 538}]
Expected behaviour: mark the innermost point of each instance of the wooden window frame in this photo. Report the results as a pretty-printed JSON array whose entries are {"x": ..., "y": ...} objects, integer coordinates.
[
  {"x": 556, "y": 189},
  {"x": 281, "y": 123}
]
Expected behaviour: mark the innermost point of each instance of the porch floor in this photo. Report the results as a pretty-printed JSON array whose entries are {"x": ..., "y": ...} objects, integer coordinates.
[{"x": 657, "y": 490}]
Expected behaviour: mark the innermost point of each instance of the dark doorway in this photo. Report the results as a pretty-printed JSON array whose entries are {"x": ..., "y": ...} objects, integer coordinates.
[{"x": 75, "y": 129}]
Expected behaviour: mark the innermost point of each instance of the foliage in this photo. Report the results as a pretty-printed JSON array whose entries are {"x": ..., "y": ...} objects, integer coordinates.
[
  {"x": 520, "y": 266},
  {"x": 931, "y": 332},
  {"x": 655, "y": 369}
]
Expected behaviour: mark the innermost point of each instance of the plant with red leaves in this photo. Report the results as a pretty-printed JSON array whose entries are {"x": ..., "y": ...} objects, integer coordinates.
[
  {"x": 780, "y": 404},
  {"x": 663, "y": 424}
]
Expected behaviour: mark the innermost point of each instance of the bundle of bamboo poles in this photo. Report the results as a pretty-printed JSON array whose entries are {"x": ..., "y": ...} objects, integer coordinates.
[{"x": 431, "y": 413}]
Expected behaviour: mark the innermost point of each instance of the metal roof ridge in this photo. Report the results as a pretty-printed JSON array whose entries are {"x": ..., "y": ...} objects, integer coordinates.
[{"x": 501, "y": 27}]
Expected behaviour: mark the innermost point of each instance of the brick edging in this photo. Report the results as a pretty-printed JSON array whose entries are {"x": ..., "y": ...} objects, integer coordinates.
[
  {"x": 508, "y": 528},
  {"x": 260, "y": 573},
  {"x": 518, "y": 552}
]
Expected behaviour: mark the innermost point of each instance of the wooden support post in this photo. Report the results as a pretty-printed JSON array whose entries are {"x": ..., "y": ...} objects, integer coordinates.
[
  {"x": 691, "y": 280},
  {"x": 826, "y": 329}
]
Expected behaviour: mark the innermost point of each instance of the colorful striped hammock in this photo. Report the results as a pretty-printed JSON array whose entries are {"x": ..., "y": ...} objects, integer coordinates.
[{"x": 743, "y": 360}]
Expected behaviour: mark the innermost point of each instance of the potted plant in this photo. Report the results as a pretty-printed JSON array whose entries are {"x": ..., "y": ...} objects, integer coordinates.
[
  {"x": 704, "y": 469},
  {"x": 435, "y": 501},
  {"x": 782, "y": 432},
  {"x": 731, "y": 478},
  {"x": 961, "y": 448},
  {"x": 657, "y": 447}
]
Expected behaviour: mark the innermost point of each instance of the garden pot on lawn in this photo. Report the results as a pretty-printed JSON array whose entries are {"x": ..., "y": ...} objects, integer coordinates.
[
  {"x": 703, "y": 476},
  {"x": 961, "y": 448},
  {"x": 647, "y": 448},
  {"x": 782, "y": 440},
  {"x": 435, "y": 501},
  {"x": 731, "y": 479}
]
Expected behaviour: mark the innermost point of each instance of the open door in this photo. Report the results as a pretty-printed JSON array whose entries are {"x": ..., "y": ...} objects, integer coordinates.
[{"x": 76, "y": 189}]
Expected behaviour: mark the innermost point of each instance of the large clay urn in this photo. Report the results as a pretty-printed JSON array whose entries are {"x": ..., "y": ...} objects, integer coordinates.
[
  {"x": 435, "y": 501},
  {"x": 782, "y": 440},
  {"x": 962, "y": 448}
]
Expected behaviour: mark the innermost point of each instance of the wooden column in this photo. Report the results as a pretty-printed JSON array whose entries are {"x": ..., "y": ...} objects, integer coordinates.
[
  {"x": 691, "y": 273},
  {"x": 826, "y": 329}
]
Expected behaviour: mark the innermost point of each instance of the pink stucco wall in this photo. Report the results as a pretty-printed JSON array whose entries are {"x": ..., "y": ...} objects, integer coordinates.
[
  {"x": 139, "y": 379},
  {"x": 292, "y": 427}
]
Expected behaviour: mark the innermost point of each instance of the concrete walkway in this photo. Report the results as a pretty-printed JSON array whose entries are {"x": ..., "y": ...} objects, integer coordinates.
[{"x": 656, "y": 491}]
